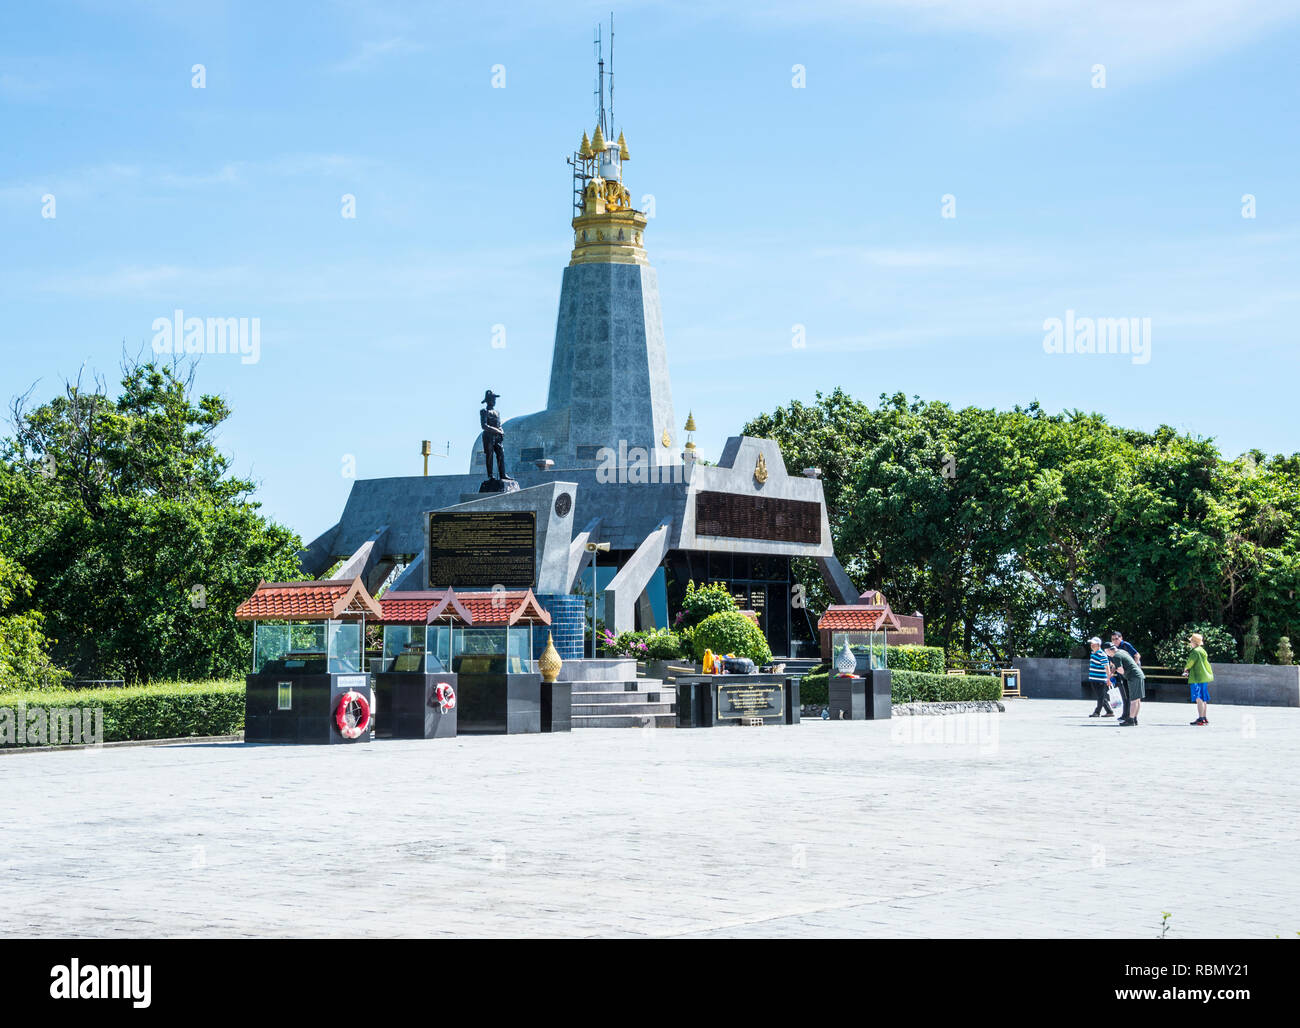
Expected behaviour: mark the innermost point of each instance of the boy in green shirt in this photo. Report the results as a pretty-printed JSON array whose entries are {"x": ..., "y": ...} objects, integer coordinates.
[{"x": 1199, "y": 676}]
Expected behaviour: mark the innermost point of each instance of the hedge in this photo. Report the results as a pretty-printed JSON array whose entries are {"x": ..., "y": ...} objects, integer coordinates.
[
  {"x": 916, "y": 658},
  {"x": 166, "y": 710},
  {"x": 913, "y": 687},
  {"x": 921, "y": 687}
]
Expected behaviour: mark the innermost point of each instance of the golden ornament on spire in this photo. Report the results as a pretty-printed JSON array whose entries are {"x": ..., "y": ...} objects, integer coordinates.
[
  {"x": 598, "y": 142},
  {"x": 690, "y": 422},
  {"x": 623, "y": 155},
  {"x": 585, "y": 150}
]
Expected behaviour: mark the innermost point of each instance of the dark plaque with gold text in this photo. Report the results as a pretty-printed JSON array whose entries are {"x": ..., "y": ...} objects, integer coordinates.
[
  {"x": 758, "y": 517},
  {"x": 750, "y": 699},
  {"x": 481, "y": 549}
]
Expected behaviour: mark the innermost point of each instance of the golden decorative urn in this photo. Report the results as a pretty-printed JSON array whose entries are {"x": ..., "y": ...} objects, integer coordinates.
[{"x": 550, "y": 662}]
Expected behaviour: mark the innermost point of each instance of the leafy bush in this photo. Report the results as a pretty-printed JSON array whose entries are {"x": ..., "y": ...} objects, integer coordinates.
[
  {"x": 166, "y": 710},
  {"x": 664, "y": 645},
  {"x": 657, "y": 644},
  {"x": 24, "y": 657},
  {"x": 814, "y": 688},
  {"x": 702, "y": 603},
  {"x": 1220, "y": 646},
  {"x": 916, "y": 658},
  {"x": 922, "y": 687},
  {"x": 729, "y": 631}
]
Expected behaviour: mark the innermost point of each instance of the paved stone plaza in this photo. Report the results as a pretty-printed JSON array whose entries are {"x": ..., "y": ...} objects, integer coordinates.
[{"x": 1036, "y": 822}]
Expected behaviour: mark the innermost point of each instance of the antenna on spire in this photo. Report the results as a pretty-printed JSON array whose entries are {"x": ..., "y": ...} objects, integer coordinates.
[
  {"x": 610, "y": 131},
  {"x": 600, "y": 84},
  {"x": 597, "y": 91}
]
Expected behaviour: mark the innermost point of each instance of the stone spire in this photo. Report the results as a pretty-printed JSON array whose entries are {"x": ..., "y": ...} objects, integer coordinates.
[{"x": 609, "y": 387}]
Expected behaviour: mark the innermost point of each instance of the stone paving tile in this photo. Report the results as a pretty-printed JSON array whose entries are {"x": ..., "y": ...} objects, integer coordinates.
[{"x": 1038, "y": 822}]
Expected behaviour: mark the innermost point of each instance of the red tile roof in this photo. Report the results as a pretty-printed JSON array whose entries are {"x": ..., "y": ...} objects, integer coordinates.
[
  {"x": 504, "y": 608},
  {"x": 421, "y": 607},
  {"x": 851, "y": 619},
  {"x": 308, "y": 601}
]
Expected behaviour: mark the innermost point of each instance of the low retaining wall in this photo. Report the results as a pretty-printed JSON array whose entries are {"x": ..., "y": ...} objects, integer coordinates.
[{"x": 1248, "y": 685}]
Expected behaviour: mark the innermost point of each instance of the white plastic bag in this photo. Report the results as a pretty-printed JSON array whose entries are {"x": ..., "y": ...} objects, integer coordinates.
[{"x": 1115, "y": 699}]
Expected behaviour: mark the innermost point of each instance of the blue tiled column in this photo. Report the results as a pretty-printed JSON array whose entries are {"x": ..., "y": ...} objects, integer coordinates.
[{"x": 568, "y": 622}]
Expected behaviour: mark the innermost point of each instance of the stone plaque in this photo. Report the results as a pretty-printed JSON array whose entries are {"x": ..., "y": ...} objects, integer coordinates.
[
  {"x": 480, "y": 549},
  {"x": 750, "y": 699},
  {"x": 758, "y": 517}
]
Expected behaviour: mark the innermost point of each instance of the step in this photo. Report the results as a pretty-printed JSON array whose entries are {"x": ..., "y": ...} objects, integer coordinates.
[
  {"x": 619, "y": 709},
  {"x": 639, "y": 685},
  {"x": 625, "y": 721},
  {"x": 624, "y": 698}
]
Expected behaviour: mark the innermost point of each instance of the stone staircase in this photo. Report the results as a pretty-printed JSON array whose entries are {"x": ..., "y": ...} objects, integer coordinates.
[{"x": 608, "y": 694}]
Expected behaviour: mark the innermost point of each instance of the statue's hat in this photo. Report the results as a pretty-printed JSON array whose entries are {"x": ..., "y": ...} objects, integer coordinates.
[{"x": 490, "y": 396}]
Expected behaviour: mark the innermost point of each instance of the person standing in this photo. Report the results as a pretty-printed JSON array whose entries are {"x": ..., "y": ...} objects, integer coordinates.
[
  {"x": 1199, "y": 676},
  {"x": 1118, "y": 639},
  {"x": 1117, "y": 677},
  {"x": 1099, "y": 678},
  {"x": 1134, "y": 683}
]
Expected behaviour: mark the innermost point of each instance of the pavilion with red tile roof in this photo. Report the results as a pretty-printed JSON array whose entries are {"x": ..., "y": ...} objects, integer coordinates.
[
  {"x": 326, "y": 600},
  {"x": 423, "y": 607}
]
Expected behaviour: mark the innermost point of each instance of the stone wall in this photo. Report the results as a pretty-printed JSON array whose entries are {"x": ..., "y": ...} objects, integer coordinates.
[{"x": 1254, "y": 685}]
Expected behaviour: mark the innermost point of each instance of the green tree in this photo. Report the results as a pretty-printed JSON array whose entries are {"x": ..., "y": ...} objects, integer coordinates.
[
  {"x": 1025, "y": 532},
  {"x": 140, "y": 540}
]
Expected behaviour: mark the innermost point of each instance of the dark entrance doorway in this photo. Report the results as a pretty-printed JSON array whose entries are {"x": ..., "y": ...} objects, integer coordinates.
[{"x": 756, "y": 582}]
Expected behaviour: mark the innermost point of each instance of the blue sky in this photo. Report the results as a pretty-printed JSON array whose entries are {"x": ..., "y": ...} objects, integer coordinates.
[{"x": 774, "y": 207}]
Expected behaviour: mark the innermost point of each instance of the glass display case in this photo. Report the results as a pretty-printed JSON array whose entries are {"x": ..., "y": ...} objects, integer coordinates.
[
  {"x": 495, "y": 649},
  {"x": 312, "y": 647},
  {"x": 867, "y": 650},
  {"x": 417, "y": 648}
]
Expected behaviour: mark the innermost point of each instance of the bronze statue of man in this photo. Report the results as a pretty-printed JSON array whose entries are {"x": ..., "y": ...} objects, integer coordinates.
[{"x": 493, "y": 436}]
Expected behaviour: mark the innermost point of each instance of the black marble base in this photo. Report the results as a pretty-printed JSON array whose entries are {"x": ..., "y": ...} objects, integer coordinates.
[
  {"x": 860, "y": 698},
  {"x": 499, "y": 485},
  {"x": 408, "y": 706},
  {"x": 309, "y": 717},
  {"x": 499, "y": 704},
  {"x": 710, "y": 701},
  {"x": 557, "y": 706}
]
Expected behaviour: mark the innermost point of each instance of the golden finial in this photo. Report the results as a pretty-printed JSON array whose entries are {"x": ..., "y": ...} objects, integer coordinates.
[
  {"x": 598, "y": 142},
  {"x": 623, "y": 155},
  {"x": 690, "y": 422},
  {"x": 585, "y": 150}
]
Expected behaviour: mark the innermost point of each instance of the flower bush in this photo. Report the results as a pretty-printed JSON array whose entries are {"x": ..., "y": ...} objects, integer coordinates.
[{"x": 657, "y": 644}]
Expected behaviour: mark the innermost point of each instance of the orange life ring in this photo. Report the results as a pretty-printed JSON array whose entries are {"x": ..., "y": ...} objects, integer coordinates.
[{"x": 350, "y": 724}]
